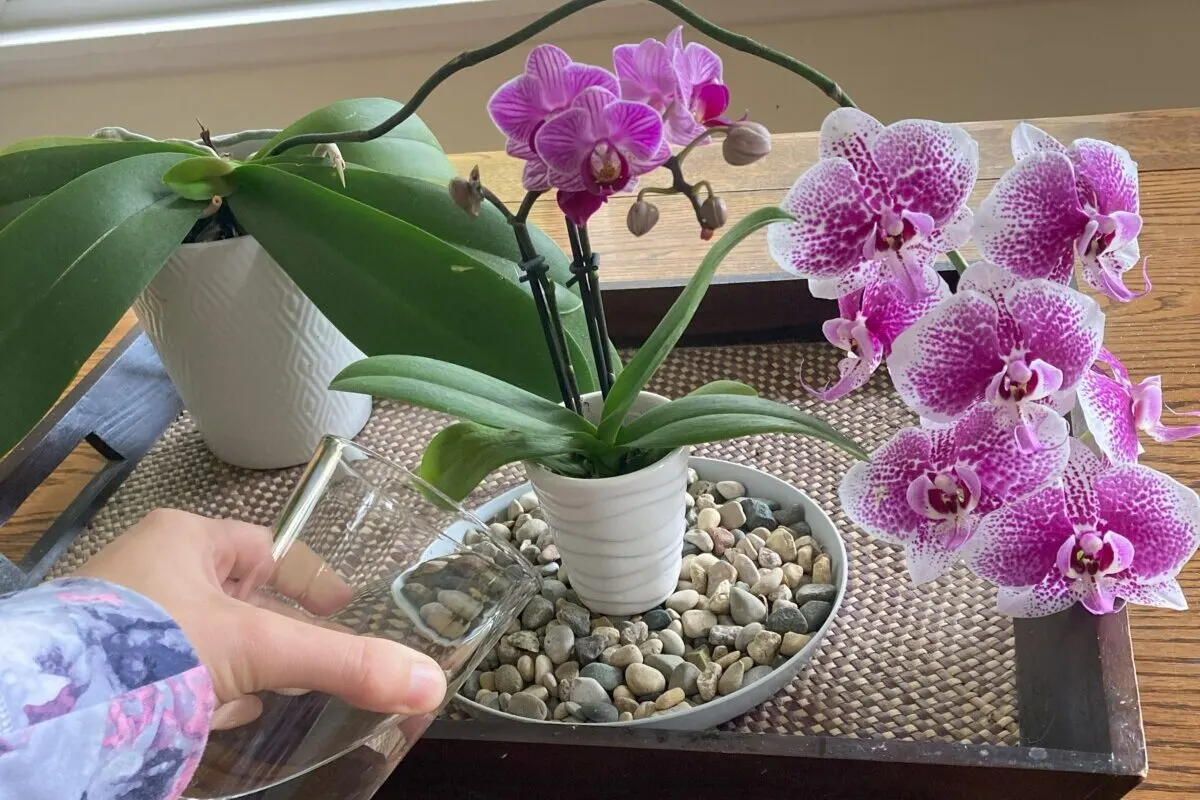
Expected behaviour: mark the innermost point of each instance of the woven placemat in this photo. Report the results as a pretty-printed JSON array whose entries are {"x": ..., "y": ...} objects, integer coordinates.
[{"x": 934, "y": 663}]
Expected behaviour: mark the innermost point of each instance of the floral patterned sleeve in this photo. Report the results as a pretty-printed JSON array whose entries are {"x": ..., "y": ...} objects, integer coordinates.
[{"x": 101, "y": 696}]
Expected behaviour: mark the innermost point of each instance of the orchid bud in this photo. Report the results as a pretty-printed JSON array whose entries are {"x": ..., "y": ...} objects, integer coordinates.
[
  {"x": 746, "y": 143},
  {"x": 468, "y": 194},
  {"x": 330, "y": 151},
  {"x": 642, "y": 217},
  {"x": 713, "y": 215}
]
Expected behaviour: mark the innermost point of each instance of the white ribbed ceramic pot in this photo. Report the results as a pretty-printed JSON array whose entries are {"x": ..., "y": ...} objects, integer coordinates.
[
  {"x": 250, "y": 355},
  {"x": 620, "y": 538}
]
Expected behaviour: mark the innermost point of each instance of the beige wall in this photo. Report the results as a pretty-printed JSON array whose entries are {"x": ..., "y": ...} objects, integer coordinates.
[{"x": 1017, "y": 60}]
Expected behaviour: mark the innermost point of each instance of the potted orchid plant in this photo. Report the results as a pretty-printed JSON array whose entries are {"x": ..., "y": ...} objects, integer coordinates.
[{"x": 610, "y": 467}]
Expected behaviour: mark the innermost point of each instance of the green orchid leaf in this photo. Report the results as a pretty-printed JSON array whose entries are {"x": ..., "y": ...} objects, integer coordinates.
[
  {"x": 31, "y": 172},
  {"x": 488, "y": 238},
  {"x": 391, "y": 287},
  {"x": 410, "y": 149},
  {"x": 67, "y": 285},
  {"x": 430, "y": 208},
  {"x": 460, "y": 392},
  {"x": 50, "y": 141},
  {"x": 462, "y": 455},
  {"x": 641, "y": 431},
  {"x": 643, "y": 365},
  {"x": 724, "y": 387},
  {"x": 722, "y": 427},
  {"x": 202, "y": 177}
]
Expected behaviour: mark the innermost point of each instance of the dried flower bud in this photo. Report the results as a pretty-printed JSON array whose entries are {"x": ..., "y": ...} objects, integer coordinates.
[
  {"x": 746, "y": 143},
  {"x": 468, "y": 194},
  {"x": 713, "y": 215},
  {"x": 642, "y": 217},
  {"x": 330, "y": 151}
]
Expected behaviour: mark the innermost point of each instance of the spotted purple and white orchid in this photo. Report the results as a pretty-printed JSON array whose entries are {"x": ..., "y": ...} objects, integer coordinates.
[
  {"x": 1058, "y": 203},
  {"x": 1117, "y": 409},
  {"x": 991, "y": 368},
  {"x": 928, "y": 489},
  {"x": 882, "y": 203},
  {"x": 1107, "y": 534}
]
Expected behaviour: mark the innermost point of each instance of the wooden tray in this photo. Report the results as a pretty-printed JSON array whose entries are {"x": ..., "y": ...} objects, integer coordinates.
[{"x": 1080, "y": 729}]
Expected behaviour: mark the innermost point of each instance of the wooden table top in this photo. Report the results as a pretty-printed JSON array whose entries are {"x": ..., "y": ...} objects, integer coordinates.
[{"x": 1157, "y": 335}]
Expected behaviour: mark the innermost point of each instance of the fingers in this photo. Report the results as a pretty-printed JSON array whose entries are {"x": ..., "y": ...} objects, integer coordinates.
[
  {"x": 366, "y": 672},
  {"x": 303, "y": 576},
  {"x": 241, "y": 551},
  {"x": 236, "y": 713}
]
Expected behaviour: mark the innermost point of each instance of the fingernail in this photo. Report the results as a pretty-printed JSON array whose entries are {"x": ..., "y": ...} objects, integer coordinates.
[{"x": 426, "y": 686}]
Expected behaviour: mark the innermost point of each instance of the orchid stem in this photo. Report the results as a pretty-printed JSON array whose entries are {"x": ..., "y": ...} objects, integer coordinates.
[
  {"x": 682, "y": 154},
  {"x": 584, "y": 267},
  {"x": 470, "y": 58},
  {"x": 960, "y": 263},
  {"x": 542, "y": 289}
]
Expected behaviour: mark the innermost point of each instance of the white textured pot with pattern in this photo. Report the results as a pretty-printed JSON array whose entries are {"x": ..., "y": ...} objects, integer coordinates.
[
  {"x": 621, "y": 538},
  {"x": 250, "y": 355}
]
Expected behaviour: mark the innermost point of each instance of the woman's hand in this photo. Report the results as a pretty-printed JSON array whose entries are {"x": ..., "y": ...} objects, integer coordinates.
[{"x": 190, "y": 565}]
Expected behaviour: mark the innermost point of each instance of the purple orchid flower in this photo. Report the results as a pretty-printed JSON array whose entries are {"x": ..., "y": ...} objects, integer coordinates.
[
  {"x": 549, "y": 85},
  {"x": 1108, "y": 535},
  {"x": 881, "y": 203},
  {"x": 681, "y": 83},
  {"x": 1017, "y": 344},
  {"x": 597, "y": 147},
  {"x": 870, "y": 321},
  {"x": 928, "y": 489},
  {"x": 1060, "y": 202},
  {"x": 1116, "y": 408}
]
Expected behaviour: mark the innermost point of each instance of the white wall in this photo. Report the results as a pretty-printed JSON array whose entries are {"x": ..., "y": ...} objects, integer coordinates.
[{"x": 1030, "y": 59}]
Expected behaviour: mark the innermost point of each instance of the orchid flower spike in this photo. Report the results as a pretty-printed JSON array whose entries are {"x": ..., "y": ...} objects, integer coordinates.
[{"x": 330, "y": 151}]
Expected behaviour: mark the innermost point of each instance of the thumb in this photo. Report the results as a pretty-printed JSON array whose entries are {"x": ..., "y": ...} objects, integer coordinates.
[{"x": 366, "y": 672}]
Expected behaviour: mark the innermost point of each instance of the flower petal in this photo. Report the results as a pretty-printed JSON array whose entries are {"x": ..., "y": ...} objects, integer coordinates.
[
  {"x": 580, "y": 77},
  {"x": 1108, "y": 410},
  {"x": 516, "y": 109},
  {"x": 579, "y": 206},
  {"x": 646, "y": 73},
  {"x": 697, "y": 65},
  {"x": 547, "y": 65},
  {"x": 1028, "y": 139},
  {"x": 874, "y": 493},
  {"x": 635, "y": 128},
  {"x": 854, "y": 372},
  {"x": 954, "y": 233},
  {"x": 565, "y": 139},
  {"x": 1147, "y": 413},
  {"x": 1078, "y": 482},
  {"x": 852, "y": 280},
  {"x": 1059, "y": 325},
  {"x": 536, "y": 175},
  {"x": 927, "y": 556},
  {"x": 1051, "y": 595},
  {"x": 1030, "y": 220},
  {"x": 985, "y": 438},
  {"x": 889, "y": 311},
  {"x": 1017, "y": 544},
  {"x": 1108, "y": 174},
  {"x": 931, "y": 167},
  {"x": 1166, "y": 593},
  {"x": 1159, "y": 515},
  {"x": 943, "y": 364},
  {"x": 850, "y": 134},
  {"x": 832, "y": 222}
]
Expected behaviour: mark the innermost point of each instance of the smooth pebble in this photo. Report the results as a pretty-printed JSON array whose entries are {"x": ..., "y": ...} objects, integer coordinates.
[
  {"x": 684, "y": 676},
  {"x": 764, "y": 647},
  {"x": 745, "y": 607},
  {"x": 793, "y": 643},
  {"x": 683, "y": 601},
  {"x": 732, "y": 515},
  {"x": 731, "y": 679},
  {"x": 644, "y": 681},
  {"x": 697, "y": 624},
  {"x": 559, "y": 642}
]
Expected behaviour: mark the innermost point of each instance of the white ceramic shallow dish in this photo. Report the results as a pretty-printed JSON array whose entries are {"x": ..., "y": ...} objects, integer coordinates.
[{"x": 720, "y": 709}]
